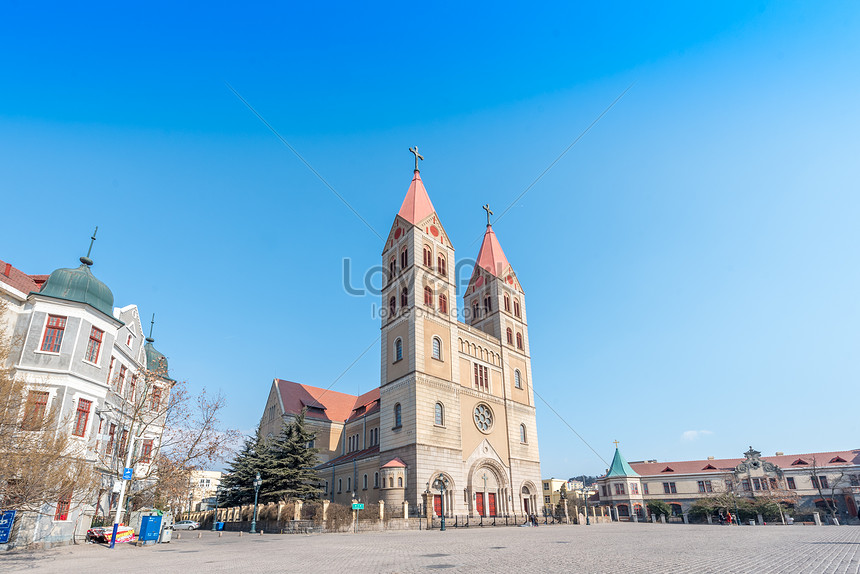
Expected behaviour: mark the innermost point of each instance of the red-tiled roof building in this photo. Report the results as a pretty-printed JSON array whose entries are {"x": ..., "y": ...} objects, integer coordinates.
[{"x": 828, "y": 482}]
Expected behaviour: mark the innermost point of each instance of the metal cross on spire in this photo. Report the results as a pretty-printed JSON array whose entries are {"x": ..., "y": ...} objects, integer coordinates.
[
  {"x": 489, "y": 213},
  {"x": 86, "y": 260},
  {"x": 616, "y": 443},
  {"x": 418, "y": 156},
  {"x": 151, "y": 326}
]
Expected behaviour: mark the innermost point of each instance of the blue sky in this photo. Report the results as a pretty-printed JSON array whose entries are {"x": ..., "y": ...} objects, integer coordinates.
[{"x": 690, "y": 266}]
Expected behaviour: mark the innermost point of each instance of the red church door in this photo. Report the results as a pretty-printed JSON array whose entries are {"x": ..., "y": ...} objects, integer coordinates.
[
  {"x": 492, "y": 503},
  {"x": 437, "y": 504},
  {"x": 479, "y": 502},
  {"x": 526, "y": 505}
]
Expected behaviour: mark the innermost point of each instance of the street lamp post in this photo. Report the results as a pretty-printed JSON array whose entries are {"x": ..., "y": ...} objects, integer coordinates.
[
  {"x": 257, "y": 482},
  {"x": 585, "y": 499},
  {"x": 441, "y": 483}
]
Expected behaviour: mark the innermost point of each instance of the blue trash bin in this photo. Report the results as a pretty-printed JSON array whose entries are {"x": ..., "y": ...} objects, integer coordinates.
[
  {"x": 150, "y": 529},
  {"x": 219, "y": 526}
]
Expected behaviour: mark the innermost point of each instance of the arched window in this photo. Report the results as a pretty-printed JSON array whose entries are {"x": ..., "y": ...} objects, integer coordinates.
[
  {"x": 428, "y": 296},
  {"x": 375, "y": 480},
  {"x": 392, "y": 268},
  {"x": 398, "y": 349},
  {"x": 399, "y": 482},
  {"x": 510, "y": 334},
  {"x": 404, "y": 257},
  {"x": 523, "y": 433},
  {"x": 437, "y": 348},
  {"x": 475, "y": 309},
  {"x": 440, "y": 266},
  {"x": 397, "y": 419},
  {"x": 518, "y": 381},
  {"x": 516, "y": 308},
  {"x": 428, "y": 257},
  {"x": 507, "y": 303},
  {"x": 390, "y": 482},
  {"x": 339, "y": 485},
  {"x": 392, "y": 306},
  {"x": 440, "y": 414},
  {"x": 443, "y": 303},
  {"x": 365, "y": 482},
  {"x": 404, "y": 297},
  {"x": 488, "y": 304},
  {"x": 519, "y": 340}
]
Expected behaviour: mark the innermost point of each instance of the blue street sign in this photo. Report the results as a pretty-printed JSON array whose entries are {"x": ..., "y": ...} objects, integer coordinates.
[
  {"x": 127, "y": 473},
  {"x": 6, "y": 519}
]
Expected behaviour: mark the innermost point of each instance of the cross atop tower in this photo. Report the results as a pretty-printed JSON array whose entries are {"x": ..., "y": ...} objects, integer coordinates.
[
  {"x": 417, "y": 156},
  {"x": 86, "y": 260},
  {"x": 489, "y": 213},
  {"x": 616, "y": 443}
]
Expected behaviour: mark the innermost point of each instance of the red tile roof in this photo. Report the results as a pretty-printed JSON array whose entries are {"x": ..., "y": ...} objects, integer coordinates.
[
  {"x": 822, "y": 459},
  {"x": 393, "y": 463},
  {"x": 351, "y": 456},
  {"x": 20, "y": 280},
  {"x": 325, "y": 404},
  {"x": 416, "y": 205}
]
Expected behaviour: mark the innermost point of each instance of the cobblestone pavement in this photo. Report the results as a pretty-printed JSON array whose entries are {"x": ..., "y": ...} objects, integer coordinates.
[{"x": 598, "y": 548}]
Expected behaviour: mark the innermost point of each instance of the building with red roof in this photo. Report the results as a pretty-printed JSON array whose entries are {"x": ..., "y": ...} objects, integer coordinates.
[
  {"x": 455, "y": 400},
  {"x": 827, "y": 482}
]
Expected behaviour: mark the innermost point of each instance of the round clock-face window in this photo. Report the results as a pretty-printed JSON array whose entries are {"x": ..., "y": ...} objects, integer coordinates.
[{"x": 483, "y": 418}]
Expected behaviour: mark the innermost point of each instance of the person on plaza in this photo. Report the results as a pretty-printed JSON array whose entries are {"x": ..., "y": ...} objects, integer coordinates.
[
  {"x": 722, "y": 519},
  {"x": 729, "y": 518}
]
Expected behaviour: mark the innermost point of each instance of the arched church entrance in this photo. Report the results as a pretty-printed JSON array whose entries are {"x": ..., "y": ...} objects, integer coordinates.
[{"x": 489, "y": 491}]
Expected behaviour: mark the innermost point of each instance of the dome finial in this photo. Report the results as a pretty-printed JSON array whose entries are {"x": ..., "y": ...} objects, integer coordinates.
[
  {"x": 151, "y": 325},
  {"x": 86, "y": 260}
]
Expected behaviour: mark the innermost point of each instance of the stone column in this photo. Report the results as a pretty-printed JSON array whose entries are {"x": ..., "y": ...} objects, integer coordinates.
[
  {"x": 653, "y": 518},
  {"x": 428, "y": 509},
  {"x": 710, "y": 520},
  {"x": 663, "y": 519},
  {"x": 686, "y": 518},
  {"x": 405, "y": 509},
  {"x": 760, "y": 520},
  {"x": 297, "y": 512},
  {"x": 281, "y": 506},
  {"x": 381, "y": 510},
  {"x": 325, "y": 509}
]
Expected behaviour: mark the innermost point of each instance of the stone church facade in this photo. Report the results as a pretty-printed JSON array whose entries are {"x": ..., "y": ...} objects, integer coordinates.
[{"x": 455, "y": 398}]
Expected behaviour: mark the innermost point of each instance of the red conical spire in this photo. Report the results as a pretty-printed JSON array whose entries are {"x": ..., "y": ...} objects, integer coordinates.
[
  {"x": 416, "y": 205},
  {"x": 491, "y": 257}
]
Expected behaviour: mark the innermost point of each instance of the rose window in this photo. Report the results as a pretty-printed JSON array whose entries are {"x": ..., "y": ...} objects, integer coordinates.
[{"x": 483, "y": 418}]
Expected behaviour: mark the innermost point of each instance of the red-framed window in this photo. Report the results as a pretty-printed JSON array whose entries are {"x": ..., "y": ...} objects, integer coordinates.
[
  {"x": 634, "y": 488},
  {"x": 619, "y": 489},
  {"x": 488, "y": 304},
  {"x": 34, "y": 410},
  {"x": 82, "y": 417},
  {"x": 404, "y": 297},
  {"x": 745, "y": 485},
  {"x": 510, "y": 335},
  {"x": 53, "y": 336},
  {"x": 131, "y": 385},
  {"x": 443, "y": 303},
  {"x": 120, "y": 380},
  {"x": 669, "y": 488},
  {"x": 95, "y": 345},
  {"x": 392, "y": 268},
  {"x": 428, "y": 257},
  {"x": 146, "y": 451},
  {"x": 63, "y": 506},
  {"x": 441, "y": 266},
  {"x": 516, "y": 308},
  {"x": 519, "y": 340},
  {"x": 790, "y": 482},
  {"x": 404, "y": 258},
  {"x": 111, "y": 438},
  {"x": 644, "y": 488},
  {"x": 482, "y": 377},
  {"x": 428, "y": 296},
  {"x": 507, "y": 303},
  {"x": 155, "y": 399}
]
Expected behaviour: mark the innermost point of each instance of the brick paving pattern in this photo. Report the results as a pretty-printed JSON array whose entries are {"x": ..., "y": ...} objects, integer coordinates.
[{"x": 606, "y": 548}]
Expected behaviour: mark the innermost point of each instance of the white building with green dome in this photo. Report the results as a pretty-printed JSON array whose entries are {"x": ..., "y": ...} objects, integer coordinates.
[{"x": 83, "y": 358}]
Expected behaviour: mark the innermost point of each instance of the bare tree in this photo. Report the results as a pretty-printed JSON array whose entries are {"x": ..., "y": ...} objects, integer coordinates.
[{"x": 827, "y": 483}]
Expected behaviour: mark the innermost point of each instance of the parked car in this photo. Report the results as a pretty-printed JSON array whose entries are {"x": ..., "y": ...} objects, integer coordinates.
[{"x": 186, "y": 525}]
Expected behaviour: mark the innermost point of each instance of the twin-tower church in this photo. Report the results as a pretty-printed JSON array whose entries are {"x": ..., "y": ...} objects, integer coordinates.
[{"x": 455, "y": 398}]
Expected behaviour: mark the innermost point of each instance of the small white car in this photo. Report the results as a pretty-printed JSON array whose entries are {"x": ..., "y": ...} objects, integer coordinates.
[{"x": 186, "y": 525}]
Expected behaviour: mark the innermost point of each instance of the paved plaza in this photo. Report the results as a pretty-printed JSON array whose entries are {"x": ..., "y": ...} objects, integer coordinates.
[{"x": 598, "y": 548}]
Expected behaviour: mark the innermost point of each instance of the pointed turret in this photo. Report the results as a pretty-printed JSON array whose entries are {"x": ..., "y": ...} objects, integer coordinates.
[
  {"x": 491, "y": 257},
  {"x": 620, "y": 467},
  {"x": 416, "y": 205}
]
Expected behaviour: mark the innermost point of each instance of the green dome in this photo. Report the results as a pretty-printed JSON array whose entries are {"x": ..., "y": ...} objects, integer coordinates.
[
  {"x": 155, "y": 361},
  {"x": 79, "y": 285}
]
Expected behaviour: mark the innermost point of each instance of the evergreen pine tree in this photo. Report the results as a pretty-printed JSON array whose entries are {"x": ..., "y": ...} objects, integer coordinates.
[
  {"x": 237, "y": 485},
  {"x": 291, "y": 472}
]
